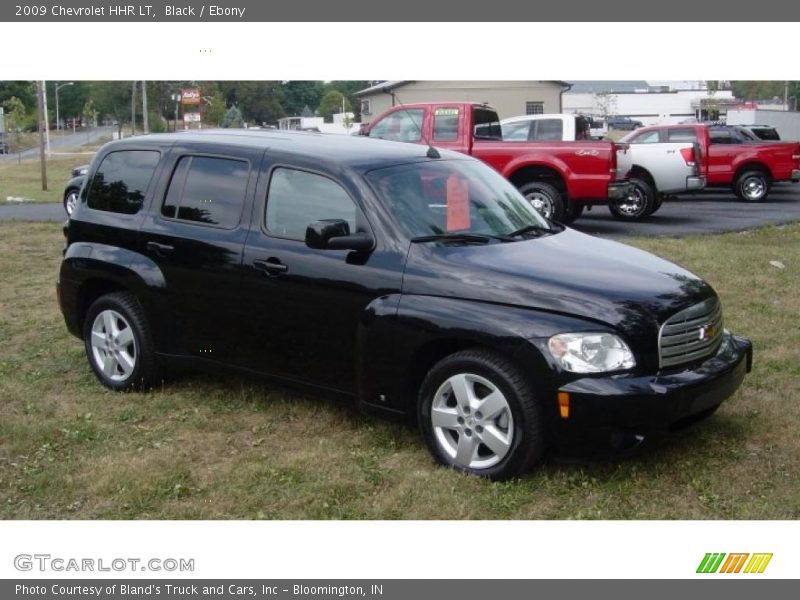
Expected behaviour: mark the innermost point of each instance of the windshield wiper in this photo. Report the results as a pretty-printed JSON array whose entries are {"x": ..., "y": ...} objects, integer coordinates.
[
  {"x": 529, "y": 229},
  {"x": 458, "y": 237}
]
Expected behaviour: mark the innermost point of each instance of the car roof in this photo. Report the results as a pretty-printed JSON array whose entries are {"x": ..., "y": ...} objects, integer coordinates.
[{"x": 356, "y": 152}]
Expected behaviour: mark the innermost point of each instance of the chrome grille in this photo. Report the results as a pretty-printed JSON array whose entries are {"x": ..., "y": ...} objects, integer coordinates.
[{"x": 691, "y": 334}]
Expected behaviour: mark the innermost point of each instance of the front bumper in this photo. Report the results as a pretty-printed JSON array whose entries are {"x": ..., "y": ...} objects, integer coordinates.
[
  {"x": 619, "y": 190},
  {"x": 695, "y": 182},
  {"x": 619, "y": 413}
]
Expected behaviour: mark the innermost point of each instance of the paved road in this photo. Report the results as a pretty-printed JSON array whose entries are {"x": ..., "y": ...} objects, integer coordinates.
[
  {"x": 706, "y": 212},
  {"x": 65, "y": 143}
]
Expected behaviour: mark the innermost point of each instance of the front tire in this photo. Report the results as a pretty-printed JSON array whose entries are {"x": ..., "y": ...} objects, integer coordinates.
[
  {"x": 118, "y": 343},
  {"x": 480, "y": 415},
  {"x": 752, "y": 186},
  {"x": 546, "y": 199},
  {"x": 638, "y": 205}
]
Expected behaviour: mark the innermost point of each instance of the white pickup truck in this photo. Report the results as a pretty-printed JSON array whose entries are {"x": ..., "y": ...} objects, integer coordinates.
[{"x": 655, "y": 169}]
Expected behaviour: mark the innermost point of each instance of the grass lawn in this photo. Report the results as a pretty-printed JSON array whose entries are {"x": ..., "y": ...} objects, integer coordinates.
[
  {"x": 23, "y": 179},
  {"x": 220, "y": 447}
]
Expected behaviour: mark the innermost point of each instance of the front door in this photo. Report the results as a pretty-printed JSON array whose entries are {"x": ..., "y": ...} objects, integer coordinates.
[{"x": 308, "y": 306}]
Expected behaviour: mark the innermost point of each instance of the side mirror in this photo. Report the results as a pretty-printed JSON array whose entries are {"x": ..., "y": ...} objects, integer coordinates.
[{"x": 334, "y": 234}]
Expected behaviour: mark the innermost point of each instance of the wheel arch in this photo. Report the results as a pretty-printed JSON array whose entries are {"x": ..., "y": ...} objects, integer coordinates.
[
  {"x": 751, "y": 166},
  {"x": 538, "y": 172}
]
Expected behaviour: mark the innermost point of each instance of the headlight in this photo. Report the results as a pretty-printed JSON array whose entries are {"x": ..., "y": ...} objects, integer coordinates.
[
  {"x": 83, "y": 171},
  {"x": 591, "y": 352}
]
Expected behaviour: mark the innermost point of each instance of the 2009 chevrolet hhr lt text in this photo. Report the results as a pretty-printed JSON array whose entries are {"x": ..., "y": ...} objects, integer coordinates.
[{"x": 418, "y": 281}]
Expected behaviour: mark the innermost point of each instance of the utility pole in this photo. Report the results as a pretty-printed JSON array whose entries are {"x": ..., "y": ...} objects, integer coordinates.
[
  {"x": 46, "y": 119},
  {"x": 41, "y": 112},
  {"x": 133, "y": 110},
  {"x": 146, "y": 124}
]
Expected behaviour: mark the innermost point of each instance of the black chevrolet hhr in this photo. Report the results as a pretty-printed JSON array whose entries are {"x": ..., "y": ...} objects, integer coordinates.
[{"x": 417, "y": 281}]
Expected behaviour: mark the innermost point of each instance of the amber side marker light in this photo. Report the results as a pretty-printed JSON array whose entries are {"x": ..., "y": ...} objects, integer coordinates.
[{"x": 563, "y": 404}]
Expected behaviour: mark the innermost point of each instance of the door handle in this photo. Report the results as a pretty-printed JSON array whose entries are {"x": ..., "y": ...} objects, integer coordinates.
[
  {"x": 271, "y": 266},
  {"x": 159, "y": 249}
]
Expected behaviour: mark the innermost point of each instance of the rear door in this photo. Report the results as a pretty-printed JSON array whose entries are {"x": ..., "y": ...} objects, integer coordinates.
[{"x": 195, "y": 233}]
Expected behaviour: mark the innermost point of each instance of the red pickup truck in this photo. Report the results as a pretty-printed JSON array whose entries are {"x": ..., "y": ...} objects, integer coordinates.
[
  {"x": 558, "y": 178},
  {"x": 749, "y": 167}
]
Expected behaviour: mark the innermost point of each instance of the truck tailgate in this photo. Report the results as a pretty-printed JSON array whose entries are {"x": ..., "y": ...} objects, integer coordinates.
[{"x": 667, "y": 163}]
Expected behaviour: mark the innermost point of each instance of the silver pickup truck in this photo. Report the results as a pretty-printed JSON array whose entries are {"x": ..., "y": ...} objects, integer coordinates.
[{"x": 659, "y": 169}]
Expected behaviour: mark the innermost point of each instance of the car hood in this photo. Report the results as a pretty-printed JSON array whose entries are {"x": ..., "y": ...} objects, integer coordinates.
[{"x": 569, "y": 273}]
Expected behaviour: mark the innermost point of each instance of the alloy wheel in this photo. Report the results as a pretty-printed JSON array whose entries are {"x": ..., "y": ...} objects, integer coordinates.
[
  {"x": 472, "y": 421},
  {"x": 113, "y": 345}
]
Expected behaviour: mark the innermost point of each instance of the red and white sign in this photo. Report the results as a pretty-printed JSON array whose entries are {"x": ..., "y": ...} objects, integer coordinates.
[{"x": 190, "y": 96}]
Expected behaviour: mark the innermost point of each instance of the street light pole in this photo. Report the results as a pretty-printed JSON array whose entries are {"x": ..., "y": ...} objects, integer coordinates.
[{"x": 58, "y": 87}]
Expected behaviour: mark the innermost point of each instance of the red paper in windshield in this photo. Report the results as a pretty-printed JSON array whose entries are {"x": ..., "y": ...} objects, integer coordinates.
[{"x": 457, "y": 203}]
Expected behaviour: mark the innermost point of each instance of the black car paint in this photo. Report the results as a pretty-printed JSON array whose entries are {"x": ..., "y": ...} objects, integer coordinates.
[{"x": 369, "y": 325}]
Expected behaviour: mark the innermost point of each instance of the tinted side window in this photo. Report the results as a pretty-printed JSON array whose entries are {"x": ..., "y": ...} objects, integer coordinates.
[
  {"x": 681, "y": 135},
  {"x": 297, "y": 198},
  {"x": 487, "y": 124},
  {"x": 445, "y": 124},
  {"x": 120, "y": 182},
  {"x": 400, "y": 126},
  {"x": 549, "y": 130},
  {"x": 207, "y": 190},
  {"x": 720, "y": 136}
]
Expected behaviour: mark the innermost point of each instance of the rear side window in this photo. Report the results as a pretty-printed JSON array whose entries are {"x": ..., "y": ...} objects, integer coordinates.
[
  {"x": 720, "y": 136},
  {"x": 648, "y": 137},
  {"x": 120, "y": 182},
  {"x": 445, "y": 124},
  {"x": 207, "y": 189},
  {"x": 487, "y": 124},
  {"x": 516, "y": 132},
  {"x": 297, "y": 198},
  {"x": 400, "y": 126},
  {"x": 681, "y": 135},
  {"x": 549, "y": 130}
]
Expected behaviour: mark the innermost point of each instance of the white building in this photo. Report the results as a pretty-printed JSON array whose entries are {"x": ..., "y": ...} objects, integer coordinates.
[{"x": 647, "y": 103}]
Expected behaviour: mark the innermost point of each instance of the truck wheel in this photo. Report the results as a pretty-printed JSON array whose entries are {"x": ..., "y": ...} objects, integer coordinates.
[
  {"x": 657, "y": 204},
  {"x": 70, "y": 200},
  {"x": 639, "y": 203},
  {"x": 574, "y": 210},
  {"x": 546, "y": 199},
  {"x": 118, "y": 343},
  {"x": 480, "y": 415},
  {"x": 752, "y": 186}
]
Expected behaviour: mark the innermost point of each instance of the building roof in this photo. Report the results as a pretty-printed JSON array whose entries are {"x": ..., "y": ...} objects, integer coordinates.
[
  {"x": 388, "y": 86},
  {"x": 599, "y": 87}
]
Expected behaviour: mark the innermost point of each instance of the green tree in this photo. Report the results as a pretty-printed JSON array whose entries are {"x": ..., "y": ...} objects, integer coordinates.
[
  {"x": 299, "y": 94},
  {"x": 113, "y": 99},
  {"x": 349, "y": 88},
  {"x": 16, "y": 117},
  {"x": 233, "y": 117},
  {"x": 259, "y": 101},
  {"x": 213, "y": 110},
  {"x": 25, "y": 91},
  {"x": 331, "y": 103}
]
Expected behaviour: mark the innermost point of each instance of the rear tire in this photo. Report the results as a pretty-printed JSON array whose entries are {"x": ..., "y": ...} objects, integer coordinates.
[
  {"x": 752, "y": 186},
  {"x": 70, "y": 200},
  {"x": 657, "y": 204},
  {"x": 119, "y": 344},
  {"x": 639, "y": 203},
  {"x": 479, "y": 414},
  {"x": 546, "y": 199}
]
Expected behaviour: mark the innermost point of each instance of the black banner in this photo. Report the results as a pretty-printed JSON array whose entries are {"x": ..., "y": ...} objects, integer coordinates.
[
  {"x": 402, "y": 11},
  {"x": 733, "y": 588}
]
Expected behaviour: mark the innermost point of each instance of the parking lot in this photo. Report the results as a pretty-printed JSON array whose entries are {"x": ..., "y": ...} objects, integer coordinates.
[{"x": 710, "y": 211}]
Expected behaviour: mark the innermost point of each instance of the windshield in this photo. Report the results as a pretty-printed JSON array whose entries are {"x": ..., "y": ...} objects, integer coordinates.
[{"x": 449, "y": 197}]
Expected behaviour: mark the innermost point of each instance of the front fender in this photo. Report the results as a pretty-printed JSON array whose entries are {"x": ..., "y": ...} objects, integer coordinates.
[{"x": 406, "y": 332}]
